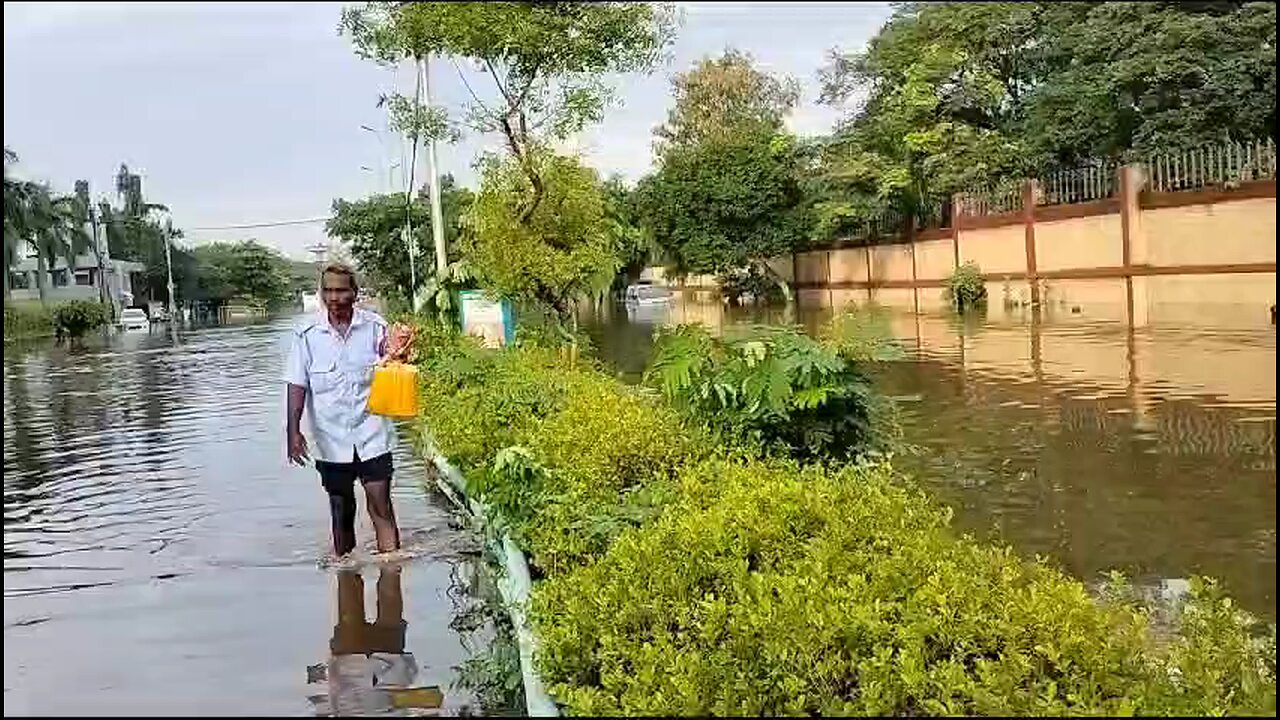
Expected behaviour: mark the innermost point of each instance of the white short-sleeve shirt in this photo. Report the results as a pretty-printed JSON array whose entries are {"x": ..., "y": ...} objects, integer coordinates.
[{"x": 338, "y": 374}]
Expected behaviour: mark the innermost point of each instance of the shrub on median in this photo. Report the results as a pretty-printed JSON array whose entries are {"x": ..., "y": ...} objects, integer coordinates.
[
  {"x": 567, "y": 455},
  {"x": 769, "y": 589}
]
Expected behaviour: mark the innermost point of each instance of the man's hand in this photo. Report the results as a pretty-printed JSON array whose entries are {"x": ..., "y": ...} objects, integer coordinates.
[{"x": 297, "y": 448}]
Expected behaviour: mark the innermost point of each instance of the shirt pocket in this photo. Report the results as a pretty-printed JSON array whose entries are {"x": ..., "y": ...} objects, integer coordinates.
[
  {"x": 360, "y": 364},
  {"x": 323, "y": 374}
]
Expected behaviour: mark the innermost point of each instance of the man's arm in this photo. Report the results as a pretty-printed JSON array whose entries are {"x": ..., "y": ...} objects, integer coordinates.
[
  {"x": 297, "y": 444},
  {"x": 295, "y": 377}
]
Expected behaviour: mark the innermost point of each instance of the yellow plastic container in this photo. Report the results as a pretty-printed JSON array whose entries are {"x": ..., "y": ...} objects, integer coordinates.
[{"x": 395, "y": 391}]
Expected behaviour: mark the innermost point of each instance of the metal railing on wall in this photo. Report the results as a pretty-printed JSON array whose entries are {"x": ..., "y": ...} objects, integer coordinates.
[
  {"x": 1087, "y": 183},
  {"x": 1221, "y": 165},
  {"x": 991, "y": 200}
]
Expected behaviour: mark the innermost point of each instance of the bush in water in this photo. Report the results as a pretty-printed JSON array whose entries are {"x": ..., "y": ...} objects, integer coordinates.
[
  {"x": 772, "y": 387},
  {"x": 965, "y": 287},
  {"x": 77, "y": 317},
  {"x": 678, "y": 577}
]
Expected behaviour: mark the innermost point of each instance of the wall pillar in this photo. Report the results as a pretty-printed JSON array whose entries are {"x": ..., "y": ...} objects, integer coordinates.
[
  {"x": 1133, "y": 244},
  {"x": 1029, "y": 188},
  {"x": 955, "y": 229},
  {"x": 867, "y": 250}
]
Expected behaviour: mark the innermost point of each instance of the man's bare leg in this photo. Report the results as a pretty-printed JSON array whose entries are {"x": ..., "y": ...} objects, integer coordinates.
[{"x": 377, "y": 495}]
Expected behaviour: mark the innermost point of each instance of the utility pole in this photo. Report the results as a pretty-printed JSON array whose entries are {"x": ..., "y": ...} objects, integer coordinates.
[
  {"x": 91, "y": 219},
  {"x": 437, "y": 216},
  {"x": 168, "y": 263},
  {"x": 103, "y": 251}
]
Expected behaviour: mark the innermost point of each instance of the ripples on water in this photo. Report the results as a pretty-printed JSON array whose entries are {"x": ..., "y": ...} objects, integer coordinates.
[
  {"x": 1151, "y": 450},
  {"x": 146, "y": 482}
]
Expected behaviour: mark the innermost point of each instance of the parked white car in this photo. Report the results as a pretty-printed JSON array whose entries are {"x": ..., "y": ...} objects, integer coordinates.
[
  {"x": 645, "y": 294},
  {"x": 134, "y": 319}
]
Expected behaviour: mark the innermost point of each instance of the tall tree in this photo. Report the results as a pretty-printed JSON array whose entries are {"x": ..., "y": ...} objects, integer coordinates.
[
  {"x": 723, "y": 97},
  {"x": 726, "y": 196},
  {"x": 245, "y": 270},
  {"x": 17, "y": 202},
  {"x": 566, "y": 249},
  {"x": 725, "y": 205},
  {"x": 56, "y": 227},
  {"x": 544, "y": 61}
]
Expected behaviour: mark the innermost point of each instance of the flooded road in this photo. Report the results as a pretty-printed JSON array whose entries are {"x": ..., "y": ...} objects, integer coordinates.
[
  {"x": 1149, "y": 450},
  {"x": 161, "y": 557}
]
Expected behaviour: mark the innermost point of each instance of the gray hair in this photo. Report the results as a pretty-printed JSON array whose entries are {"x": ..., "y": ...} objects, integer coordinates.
[{"x": 337, "y": 268}]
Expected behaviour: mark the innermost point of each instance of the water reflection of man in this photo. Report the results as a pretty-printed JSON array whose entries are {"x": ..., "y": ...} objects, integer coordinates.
[{"x": 369, "y": 671}]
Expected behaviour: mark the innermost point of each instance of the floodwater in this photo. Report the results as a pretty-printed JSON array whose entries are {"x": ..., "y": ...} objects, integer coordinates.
[
  {"x": 161, "y": 557},
  {"x": 1148, "y": 450}
]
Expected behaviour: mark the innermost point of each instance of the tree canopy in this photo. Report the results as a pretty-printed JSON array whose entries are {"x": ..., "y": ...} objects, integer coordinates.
[
  {"x": 545, "y": 61},
  {"x": 727, "y": 191},
  {"x": 245, "y": 271},
  {"x": 722, "y": 97},
  {"x": 951, "y": 96},
  {"x": 569, "y": 246},
  {"x": 372, "y": 229}
]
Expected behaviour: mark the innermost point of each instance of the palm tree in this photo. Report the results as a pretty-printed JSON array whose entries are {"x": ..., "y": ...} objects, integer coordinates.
[
  {"x": 52, "y": 226},
  {"x": 16, "y": 202},
  {"x": 55, "y": 229}
]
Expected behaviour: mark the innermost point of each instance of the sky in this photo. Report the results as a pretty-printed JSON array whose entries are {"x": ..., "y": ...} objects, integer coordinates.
[{"x": 245, "y": 113}]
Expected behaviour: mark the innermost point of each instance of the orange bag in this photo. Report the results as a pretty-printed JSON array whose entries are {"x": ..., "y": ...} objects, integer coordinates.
[{"x": 395, "y": 391}]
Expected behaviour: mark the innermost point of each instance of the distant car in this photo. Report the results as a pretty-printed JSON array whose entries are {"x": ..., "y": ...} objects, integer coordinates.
[
  {"x": 646, "y": 294},
  {"x": 134, "y": 319}
]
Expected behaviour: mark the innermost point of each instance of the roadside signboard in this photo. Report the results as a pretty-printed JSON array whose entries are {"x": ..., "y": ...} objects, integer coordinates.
[{"x": 493, "y": 321}]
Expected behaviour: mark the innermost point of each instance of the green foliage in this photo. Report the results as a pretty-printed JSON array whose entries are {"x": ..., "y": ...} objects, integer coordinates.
[
  {"x": 22, "y": 320},
  {"x": 678, "y": 579},
  {"x": 1223, "y": 661},
  {"x": 863, "y": 335},
  {"x": 636, "y": 249},
  {"x": 373, "y": 230},
  {"x": 34, "y": 218},
  {"x": 965, "y": 288},
  {"x": 737, "y": 284},
  {"x": 719, "y": 205},
  {"x": 247, "y": 271},
  {"x": 74, "y": 318},
  {"x": 1154, "y": 76},
  {"x": 570, "y": 456},
  {"x": 545, "y": 61},
  {"x": 769, "y": 590},
  {"x": 952, "y": 95},
  {"x": 567, "y": 247},
  {"x": 772, "y": 387},
  {"x": 725, "y": 97}
]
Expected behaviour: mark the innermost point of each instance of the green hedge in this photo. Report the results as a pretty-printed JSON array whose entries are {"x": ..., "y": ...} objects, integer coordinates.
[
  {"x": 26, "y": 321},
  {"x": 678, "y": 577}
]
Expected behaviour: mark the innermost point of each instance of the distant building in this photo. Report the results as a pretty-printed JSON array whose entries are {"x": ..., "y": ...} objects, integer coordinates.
[{"x": 81, "y": 282}]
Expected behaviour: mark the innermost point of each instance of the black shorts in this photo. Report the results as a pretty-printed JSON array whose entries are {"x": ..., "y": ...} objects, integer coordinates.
[{"x": 340, "y": 478}]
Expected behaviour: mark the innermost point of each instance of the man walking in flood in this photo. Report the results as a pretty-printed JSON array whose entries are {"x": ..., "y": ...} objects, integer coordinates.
[{"x": 329, "y": 373}]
